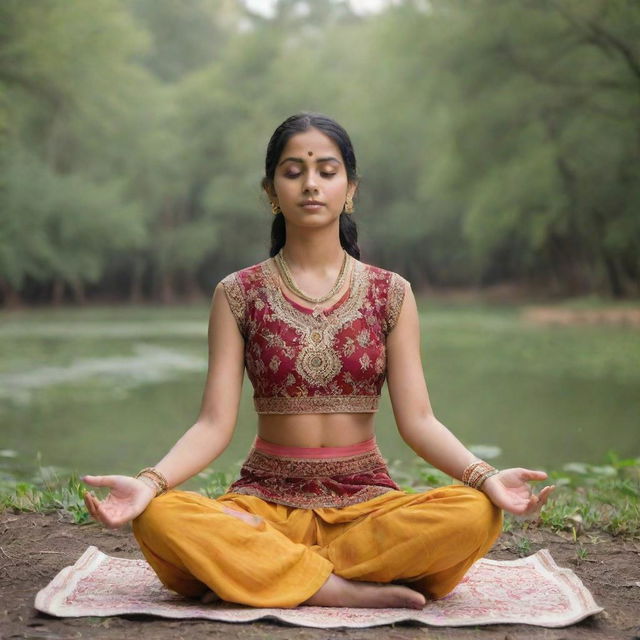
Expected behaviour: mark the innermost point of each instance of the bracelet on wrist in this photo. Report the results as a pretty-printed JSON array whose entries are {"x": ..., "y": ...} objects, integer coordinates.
[
  {"x": 150, "y": 483},
  {"x": 477, "y": 472},
  {"x": 153, "y": 478}
]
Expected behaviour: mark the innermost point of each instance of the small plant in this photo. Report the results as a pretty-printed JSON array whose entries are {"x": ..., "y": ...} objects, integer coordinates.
[
  {"x": 215, "y": 482},
  {"x": 48, "y": 493},
  {"x": 582, "y": 553},
  {"x": 523, "y": 547},
  {"x": 507, "y": 523}
]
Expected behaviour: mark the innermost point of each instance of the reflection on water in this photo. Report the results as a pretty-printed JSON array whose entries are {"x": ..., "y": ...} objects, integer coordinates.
[
  {"x": 148, "y": 364},
  {"x": 103, "y": 330},
  {"x": 109, "y": 391}
]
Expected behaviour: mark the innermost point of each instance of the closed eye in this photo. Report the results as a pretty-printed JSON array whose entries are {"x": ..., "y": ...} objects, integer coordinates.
[{"x": 324, "y": 174}]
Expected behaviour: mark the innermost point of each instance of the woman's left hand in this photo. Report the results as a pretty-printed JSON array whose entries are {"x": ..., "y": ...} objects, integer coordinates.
[{"x": 510, "y": 490}]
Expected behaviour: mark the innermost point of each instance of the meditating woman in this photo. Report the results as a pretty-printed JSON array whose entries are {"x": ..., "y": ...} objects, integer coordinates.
[{"x": 314, "y": 517}]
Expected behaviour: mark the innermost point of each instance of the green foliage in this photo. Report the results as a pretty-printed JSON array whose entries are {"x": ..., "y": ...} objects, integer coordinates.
[
  {"x": 47, "y": 492},
  {"x": 603, "y": 496},
  {"x": 61, "y": 226},
  {"x": 214, "y": 483},
  {"x": 499, "y": 137},
  {"x": 588, "y": 498},
  {"x": 523, "y": 546}
]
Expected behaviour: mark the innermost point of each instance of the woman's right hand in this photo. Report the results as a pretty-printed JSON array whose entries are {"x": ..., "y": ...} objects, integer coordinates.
[{"x": 127, "y": 499}]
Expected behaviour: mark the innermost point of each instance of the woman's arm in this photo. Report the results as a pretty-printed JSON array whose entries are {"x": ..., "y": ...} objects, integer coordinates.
[
  {"x": 203, "y": 442},
  {"x": 426, "y": 435},
  {"x": 212, "y": 431},
  {"x": 415, "y": 419}
]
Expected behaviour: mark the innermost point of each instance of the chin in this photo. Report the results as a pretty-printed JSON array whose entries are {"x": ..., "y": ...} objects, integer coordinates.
[{"x": 313, "y": 220}]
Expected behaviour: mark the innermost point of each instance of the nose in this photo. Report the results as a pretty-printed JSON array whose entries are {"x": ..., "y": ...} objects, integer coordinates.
[{"x": 310, "y": 184}]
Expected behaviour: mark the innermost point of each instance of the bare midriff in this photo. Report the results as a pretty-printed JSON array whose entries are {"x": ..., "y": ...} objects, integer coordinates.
[{"x": 316, "y": 429}]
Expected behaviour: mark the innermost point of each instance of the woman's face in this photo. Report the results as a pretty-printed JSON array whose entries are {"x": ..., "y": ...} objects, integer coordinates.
[{"x": 310, "y": 182}]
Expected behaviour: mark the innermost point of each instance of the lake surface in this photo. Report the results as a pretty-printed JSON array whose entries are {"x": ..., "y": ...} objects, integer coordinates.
[{"x": 109, "y": 390}]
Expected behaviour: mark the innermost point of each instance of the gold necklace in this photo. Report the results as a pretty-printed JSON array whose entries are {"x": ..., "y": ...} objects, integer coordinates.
[{"x": 289, "y": 281}]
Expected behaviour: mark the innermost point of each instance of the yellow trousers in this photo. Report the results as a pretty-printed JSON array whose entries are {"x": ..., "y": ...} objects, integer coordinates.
[{"x": 264, "y": 554}]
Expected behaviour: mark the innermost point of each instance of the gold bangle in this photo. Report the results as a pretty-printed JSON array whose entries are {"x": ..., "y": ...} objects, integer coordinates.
[
  {"x": 477, "y": 472},
  {"x": 156, "y": 477},
  {"x": 151, "y": 483}
]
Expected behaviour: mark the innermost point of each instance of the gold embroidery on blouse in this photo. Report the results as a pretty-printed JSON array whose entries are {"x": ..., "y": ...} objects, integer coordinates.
[
  {"x": 317, "y": 404},
  {"x": 363, "y": 338},
  {"x": 274, "y": 365},
  {"x": 235, "y": 298},
  {"x": 365, "y": 361},
  {"x": 318, "y": 366},
  {"x": 394, "y": 300},
  {"x": 317, "y": 362}
]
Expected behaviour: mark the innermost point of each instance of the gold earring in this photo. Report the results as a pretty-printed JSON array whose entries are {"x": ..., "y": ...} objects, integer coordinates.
[
  {"x": 275, "y": 208},
  {"x": 348, "y": 205}
]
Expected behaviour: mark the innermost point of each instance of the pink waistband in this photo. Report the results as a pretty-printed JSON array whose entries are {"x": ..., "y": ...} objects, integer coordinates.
[{"x": 314, "y": 452}]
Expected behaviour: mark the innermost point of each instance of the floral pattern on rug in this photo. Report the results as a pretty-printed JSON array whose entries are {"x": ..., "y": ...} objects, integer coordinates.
[{"x": 532, "y": 590}]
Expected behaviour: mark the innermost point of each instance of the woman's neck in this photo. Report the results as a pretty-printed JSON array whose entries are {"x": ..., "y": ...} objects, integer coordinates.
[{"x": 318, "y": 254}]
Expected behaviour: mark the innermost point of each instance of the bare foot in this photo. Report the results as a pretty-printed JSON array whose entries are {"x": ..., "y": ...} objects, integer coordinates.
[
  {"x": 209, "y": 597},
  {"x": 338, "y": 592}
]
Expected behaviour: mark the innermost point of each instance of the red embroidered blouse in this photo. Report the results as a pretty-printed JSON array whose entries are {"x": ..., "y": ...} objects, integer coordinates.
[{"x": 324, "y": 361}]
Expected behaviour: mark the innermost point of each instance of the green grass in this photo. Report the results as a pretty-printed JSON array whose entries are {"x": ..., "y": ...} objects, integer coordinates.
[
  {"x": 588, "y": 499},
  {"x": 47, "y": 494},
  {"x": 591, "y": 497}
]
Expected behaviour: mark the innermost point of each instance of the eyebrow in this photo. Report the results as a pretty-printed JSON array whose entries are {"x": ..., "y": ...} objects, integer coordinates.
[{"x": 318, "y": 160}]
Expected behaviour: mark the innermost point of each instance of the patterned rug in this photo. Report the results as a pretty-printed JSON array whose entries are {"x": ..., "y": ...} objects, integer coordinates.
[{"x": 531, "y": 590}]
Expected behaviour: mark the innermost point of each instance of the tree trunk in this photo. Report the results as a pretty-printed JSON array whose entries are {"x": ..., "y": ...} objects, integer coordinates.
[
  {"x": 193, "y": 292},
  {"x": 167, "y": 290},
  {"x": 79, "y": 294},
  {"x": 135, "y": 291},
  {"x": 10, "y": 297},
  {"x": 613, "y": 277},
  {"x": 57, "y": 292}
]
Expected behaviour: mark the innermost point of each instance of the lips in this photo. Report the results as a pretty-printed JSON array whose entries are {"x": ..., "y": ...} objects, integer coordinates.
[{"x": 312, "y": 203}]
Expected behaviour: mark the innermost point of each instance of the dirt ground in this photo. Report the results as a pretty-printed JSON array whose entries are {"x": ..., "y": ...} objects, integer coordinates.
[{"x": 34, "y": 547}]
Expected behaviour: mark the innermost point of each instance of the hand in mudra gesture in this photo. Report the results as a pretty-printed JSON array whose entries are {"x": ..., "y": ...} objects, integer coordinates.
[
  {"x": 127, "y": 499},
  {"x": 510, "y": 490}
]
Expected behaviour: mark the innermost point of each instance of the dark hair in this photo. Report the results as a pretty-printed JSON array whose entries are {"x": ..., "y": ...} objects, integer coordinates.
[{"x": 297, "y": 124}]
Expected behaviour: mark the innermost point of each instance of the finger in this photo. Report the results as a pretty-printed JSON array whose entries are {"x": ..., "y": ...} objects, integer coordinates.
[
  {"x": 543, "y": 496},
  {"x": 106, "y": 519},
  {"x": 530, "y": 474},
  {"x": 98, "y": 481},
  {"x": 532, "y": 504},
  {"x": 87, "y": 503},
  {"x": 95, "y": 506},
  {"x": 90, "y": 503}
]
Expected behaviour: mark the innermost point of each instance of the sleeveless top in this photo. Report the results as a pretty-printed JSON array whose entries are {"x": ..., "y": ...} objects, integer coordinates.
[{"x": 301, "y": 360}]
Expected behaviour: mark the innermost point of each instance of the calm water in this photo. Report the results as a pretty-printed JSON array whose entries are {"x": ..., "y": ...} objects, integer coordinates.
[{"x": 110, "y": 390}]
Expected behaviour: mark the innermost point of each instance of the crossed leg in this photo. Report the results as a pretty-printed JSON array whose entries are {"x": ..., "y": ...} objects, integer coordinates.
[
  {"x": 427, "y": 541},
  {"x": 204, "y": 548}
]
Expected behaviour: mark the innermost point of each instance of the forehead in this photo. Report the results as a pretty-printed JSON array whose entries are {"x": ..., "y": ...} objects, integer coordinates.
[{"x": 311, "y": 140}]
